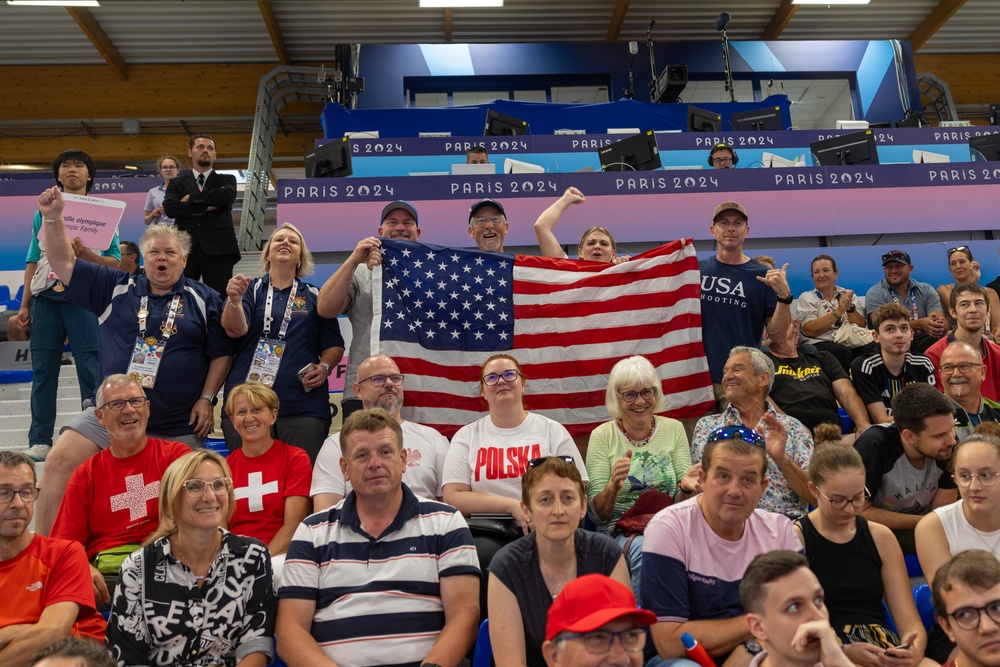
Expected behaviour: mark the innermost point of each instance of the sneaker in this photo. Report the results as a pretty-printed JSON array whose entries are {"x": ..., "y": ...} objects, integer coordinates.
[{"x": 38, "y": 452}]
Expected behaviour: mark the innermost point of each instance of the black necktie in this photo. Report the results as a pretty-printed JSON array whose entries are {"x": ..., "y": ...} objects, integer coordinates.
[{"x": 201, "y": 181}]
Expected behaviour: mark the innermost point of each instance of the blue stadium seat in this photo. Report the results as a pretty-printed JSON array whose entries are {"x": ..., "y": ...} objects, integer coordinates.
[
  {"x": 889, "y": 623},
  {"x": 925, "y": 605},
  {"x": 217, "y": 445},
  {"x": 913, "y": 568},
  {"x": 846, "y": 423},
  {"x": 483, "y": 656}
]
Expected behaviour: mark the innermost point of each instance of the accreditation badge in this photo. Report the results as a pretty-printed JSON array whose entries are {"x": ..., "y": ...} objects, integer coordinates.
[
  {"x": 265, "y": 362},
  {"x": 146, "y": 356}
]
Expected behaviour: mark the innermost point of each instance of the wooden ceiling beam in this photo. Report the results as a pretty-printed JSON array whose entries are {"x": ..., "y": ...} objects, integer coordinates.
[
  {"x": 617, "y": 20},
  {"x": 95, "y": 33},
  {"x": 274, "y": 30},
  {"x": 786, "y": 10},
  {"x": 447, "y": 25},
  {"x": 933, "y": 22}
]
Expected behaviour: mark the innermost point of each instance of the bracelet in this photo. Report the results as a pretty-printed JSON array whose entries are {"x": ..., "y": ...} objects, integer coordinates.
[
  {"x": 230, "y": 302},
  {"x": 683, "y": 490},
  {"x": 53, "y": 220},
  {"x": 852, "y": 309}
]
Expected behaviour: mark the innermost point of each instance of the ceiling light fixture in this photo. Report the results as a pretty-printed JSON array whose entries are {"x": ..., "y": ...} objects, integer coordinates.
[
  {"x": 56, "y": 3},
  {"x": 830, "y": 2},
  {"x": 425, "y": 4}
]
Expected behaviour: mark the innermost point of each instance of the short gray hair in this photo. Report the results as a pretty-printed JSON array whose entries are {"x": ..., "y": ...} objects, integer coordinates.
[
  {"x": 182, "y": 238},
  {"x": 761, "y": 363},
  {"x": 116, "y": 380},
  {"x": 634, "y": 371},
  {"x": 10, "y": 459}
]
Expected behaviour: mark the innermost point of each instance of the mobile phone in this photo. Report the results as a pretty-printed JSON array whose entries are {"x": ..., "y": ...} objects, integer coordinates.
[{"x": 303, "y": 372}]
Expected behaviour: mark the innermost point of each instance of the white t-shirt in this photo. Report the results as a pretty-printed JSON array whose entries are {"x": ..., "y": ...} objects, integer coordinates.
[
  {"x": 492, "y": 460},
  {"x": 425, "y": 452}
]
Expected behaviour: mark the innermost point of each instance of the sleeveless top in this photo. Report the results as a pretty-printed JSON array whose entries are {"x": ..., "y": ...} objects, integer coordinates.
[
  {"x": 850, "y": 573},
  {"x": 961, "y": 535}
]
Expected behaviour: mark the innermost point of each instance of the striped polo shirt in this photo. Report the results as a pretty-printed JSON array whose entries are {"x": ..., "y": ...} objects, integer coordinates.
[{"x": 378, "y": 599}]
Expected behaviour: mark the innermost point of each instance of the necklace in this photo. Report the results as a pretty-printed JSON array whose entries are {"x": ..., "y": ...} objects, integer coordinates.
[
  {"x": 991, "y": 549},
  {"x": 638, "y": 443}
]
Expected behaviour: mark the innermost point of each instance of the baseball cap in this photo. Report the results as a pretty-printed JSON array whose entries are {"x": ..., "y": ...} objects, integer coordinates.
[
  {"x": 730, "y": 206},
  {"x": 896, "y": 256},
  {"x": 399, "y": 205},
  {"x": 485, "y": 202},
  {"x": 588, "y": 602}
]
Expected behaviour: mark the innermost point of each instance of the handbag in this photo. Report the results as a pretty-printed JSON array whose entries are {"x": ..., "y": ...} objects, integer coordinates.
[
  {"x": 634, "y": 520},
  {"x": 851, "y": 335}
]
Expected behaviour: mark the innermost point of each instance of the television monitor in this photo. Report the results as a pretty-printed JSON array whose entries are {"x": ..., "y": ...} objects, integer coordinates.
[
  {"x": 702, "y": 120},
  {"x": 499, "y": 125},
  {"x": 853, "y": 125},
  {"x": 463, "y": 169},
  {"x": 847, "y": 149},
  {"x": 638, "y": 153},
  {"x": 331, "y": 160},
  {"x": 985, "y": 148},
  {"x": 758, "y": 120},
  {"x": 920, "y": 157}
]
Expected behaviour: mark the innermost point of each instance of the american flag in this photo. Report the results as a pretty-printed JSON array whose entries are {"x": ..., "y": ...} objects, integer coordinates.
[{"x": 441, "y": 312}]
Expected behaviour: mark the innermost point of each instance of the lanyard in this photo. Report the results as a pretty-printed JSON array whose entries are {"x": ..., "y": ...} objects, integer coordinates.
[
  {"x": 168, "y": 325},
  {"x": 913, "y": 300},
  {"x": 268, "y": 318}
]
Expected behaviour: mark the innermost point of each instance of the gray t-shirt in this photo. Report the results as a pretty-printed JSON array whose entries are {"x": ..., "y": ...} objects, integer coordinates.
[
  {"x": 894, "y": 483},
  {"x": 360, "y": 314}
]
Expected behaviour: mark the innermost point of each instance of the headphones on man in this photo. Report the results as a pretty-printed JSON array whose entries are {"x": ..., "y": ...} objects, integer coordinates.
[{"x": 721, "y": 145}]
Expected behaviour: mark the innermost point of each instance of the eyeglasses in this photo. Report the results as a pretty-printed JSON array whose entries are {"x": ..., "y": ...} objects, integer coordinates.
[
  {"x": 963, "y": 248},
  {"x": 964, "y": 367},
  {"x": 599, "y": 642},
  {"x": 840, "y": 503},
  {"x": 196, "y": 487},
  {"x": 631, "y": 396},
  {"x": 900, "y": 257},
  {"x": 27, "y": 495},
  {"x": 168, "y": 167},
  {"x": 495, "y": 219},
  {"x": 722, "y": 160},
  {"x": 119, "y": 404},
  {"x": 743, "y": 433},
  {"x": 968, "y": 618},
  {"x": 985, "y": 478},
  {"x": 534, "y": 463},
  {"x": 491, "y": 379},
  {"x": 379, "y": 380}
]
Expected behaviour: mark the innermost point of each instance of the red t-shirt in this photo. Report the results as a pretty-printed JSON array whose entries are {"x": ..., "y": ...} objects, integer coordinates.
[
  {"x": 47, "y": 572},
  {"x": 261, "y": 485},
  {"x": 111, "y": 501}
]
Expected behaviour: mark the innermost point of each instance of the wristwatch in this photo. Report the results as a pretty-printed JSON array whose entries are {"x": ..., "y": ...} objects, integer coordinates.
[
  {"x": 786, "y": 300},
  {"x": 211, "y": 399},
  {"x": 327, "y": 367}
]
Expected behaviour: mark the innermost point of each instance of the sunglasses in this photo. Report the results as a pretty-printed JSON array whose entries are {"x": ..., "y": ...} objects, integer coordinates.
[
  {"x": 534, "y": 463},
  {"x": 743, "y": 433}
]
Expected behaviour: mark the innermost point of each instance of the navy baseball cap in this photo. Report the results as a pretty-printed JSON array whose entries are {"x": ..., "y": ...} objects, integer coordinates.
[
  {"x": 402, "y": 206},
  {"x": 485, "y": 202}
]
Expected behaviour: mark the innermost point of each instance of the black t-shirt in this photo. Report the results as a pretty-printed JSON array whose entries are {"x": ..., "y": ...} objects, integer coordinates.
[
  {"x": 892, "y": 480},
  {"x": 803, "y": 387},
  {"x": 875, "y": 383}
]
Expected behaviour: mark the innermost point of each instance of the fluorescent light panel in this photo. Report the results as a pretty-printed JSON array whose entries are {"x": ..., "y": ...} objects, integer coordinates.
[
  {"x": 830, "y": 2},
  {"x": 460, "y": 3},
  {"x": 56, "y": 3}
]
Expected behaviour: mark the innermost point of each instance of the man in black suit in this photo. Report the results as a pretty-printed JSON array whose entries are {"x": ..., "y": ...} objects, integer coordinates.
[{"x": 201, "y": 203}]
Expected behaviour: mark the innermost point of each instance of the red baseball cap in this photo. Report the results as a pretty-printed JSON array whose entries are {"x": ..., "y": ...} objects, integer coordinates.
[{"x": 589, "y": 602}]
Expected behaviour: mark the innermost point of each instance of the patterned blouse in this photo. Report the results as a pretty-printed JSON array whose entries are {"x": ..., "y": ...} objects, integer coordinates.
[{"x": 161, "y": 617}]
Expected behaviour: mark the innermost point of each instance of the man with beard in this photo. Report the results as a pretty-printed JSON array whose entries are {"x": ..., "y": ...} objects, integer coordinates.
[
  {"x": 969, "y": 306},
  {"x": 201, "y": 203},
  {"x": 919, "y": 298},
  {"x": 381, "y": 386},
  {"x": 349, "y": 290},
  {"x": 962, "y": 372}
]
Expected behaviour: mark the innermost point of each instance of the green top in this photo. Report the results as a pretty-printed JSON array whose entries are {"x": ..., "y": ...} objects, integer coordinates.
[{"x": 659, "y": 464}]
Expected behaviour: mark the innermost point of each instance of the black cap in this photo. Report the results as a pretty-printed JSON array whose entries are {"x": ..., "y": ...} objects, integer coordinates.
[
  {"x": 485, "y": 202},
  {"x": 896, "y": 256}
]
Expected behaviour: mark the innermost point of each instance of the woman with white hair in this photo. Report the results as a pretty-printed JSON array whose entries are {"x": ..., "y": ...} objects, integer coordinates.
[{"x": 635, "y": 452}]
